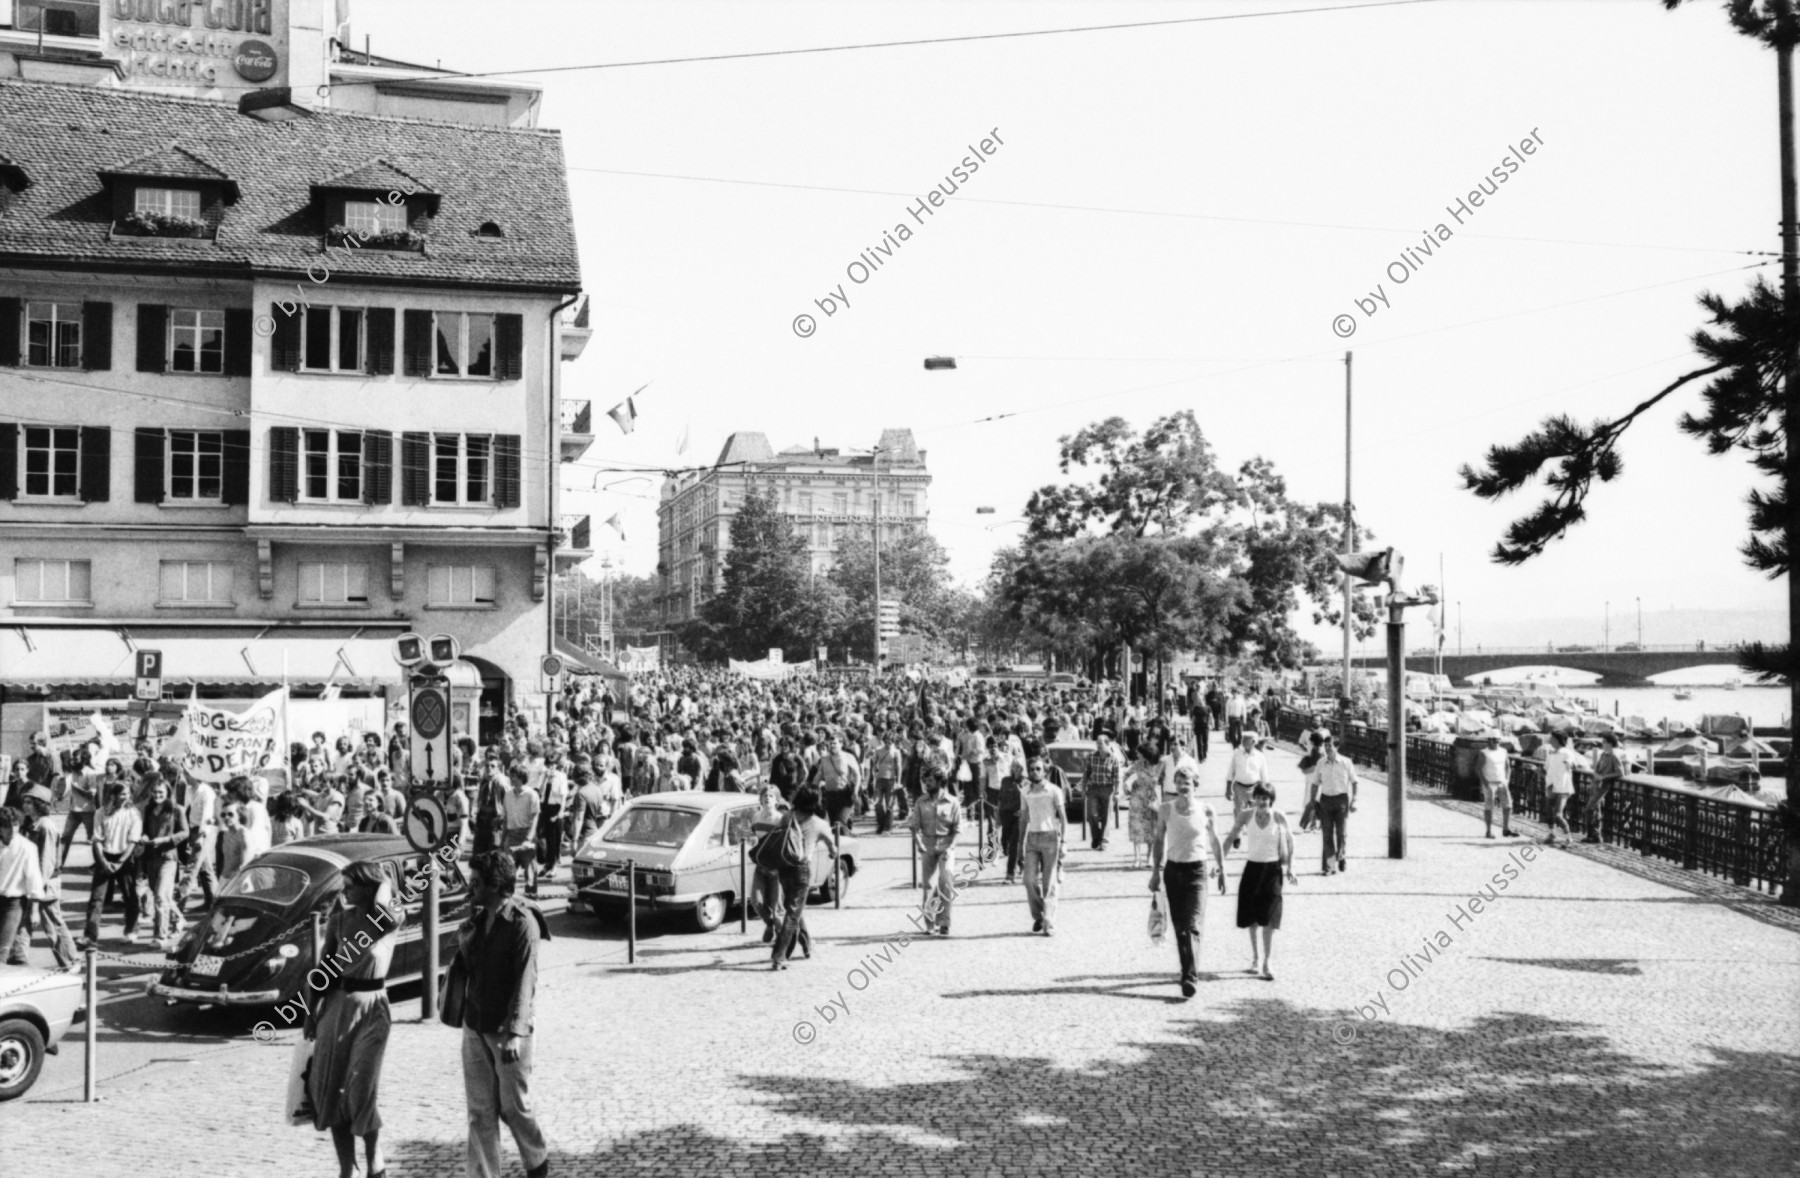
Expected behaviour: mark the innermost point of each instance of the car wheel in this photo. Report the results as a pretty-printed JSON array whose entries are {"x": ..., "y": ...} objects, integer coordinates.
[
  {"x": 21, "y": 1057},
  {"x": 709, "y": 912},
  {"x": 828, "y": 889}
]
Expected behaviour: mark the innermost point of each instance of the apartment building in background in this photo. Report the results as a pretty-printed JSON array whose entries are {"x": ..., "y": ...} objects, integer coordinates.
[
  {"x": 276, "y": 385},
  {"x": 826, "y": 493}
]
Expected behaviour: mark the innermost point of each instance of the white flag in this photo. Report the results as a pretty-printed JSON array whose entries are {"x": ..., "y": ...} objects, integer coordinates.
[
  {"x": 681, "y": 448},
  {"x": 624, "y": 414},
  {"x": 616, "y": 526}
]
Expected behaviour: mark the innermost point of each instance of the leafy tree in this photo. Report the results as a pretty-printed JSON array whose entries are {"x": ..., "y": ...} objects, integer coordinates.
[
  {"x": 914, "y": 572},
  {"x": 1166, "y": 483},
  {"x": 769, "y": 598}
]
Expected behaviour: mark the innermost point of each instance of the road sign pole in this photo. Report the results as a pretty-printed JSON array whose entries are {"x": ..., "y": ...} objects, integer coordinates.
[{"x": 428, "y": 995}]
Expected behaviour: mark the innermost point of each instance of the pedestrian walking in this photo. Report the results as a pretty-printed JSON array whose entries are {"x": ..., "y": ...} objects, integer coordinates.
[
  {"x": 1268, "y": 860},
  {"x": 935, "y": 823},
  {"x": 519, "y": 809},
  {"x": 1560, "y": 764},
  {"x": 1608, "y": 772},
  {"x": 35, "y": 805},
  {"x": 885, "y": 764},
  {"x": 1333, "y": 783},
  {"x": 116, "y": 848},
  {"x": 837, "y": 777},
  {"x": 21, "y": 885},
  {"x": 1008, "y": 803},
  {"x": 1494, "y": 766},
  {"x": 1146, "y": 796},
  {"x": 490, "y": 994},
  {"x": 1179, "y": 865},
  {"x": 1249, "y": 769},
  {"x": 766, "y": 888},
  {"x": 201, "y": 852},
  {"x": 796, "y": 878},
  {"x": 165, "y": 829},
  {"x": 348, "y": 1024},
  {"x": 1099, "y": 780},
  {"x": 1042, "y": 821}
]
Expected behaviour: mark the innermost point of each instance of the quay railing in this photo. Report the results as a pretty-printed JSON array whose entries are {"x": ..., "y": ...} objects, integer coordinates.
[{"x": 1653, "y": 816}]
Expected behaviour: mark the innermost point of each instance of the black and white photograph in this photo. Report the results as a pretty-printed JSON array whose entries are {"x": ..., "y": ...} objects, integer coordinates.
[{"x": 725, "y": 587}]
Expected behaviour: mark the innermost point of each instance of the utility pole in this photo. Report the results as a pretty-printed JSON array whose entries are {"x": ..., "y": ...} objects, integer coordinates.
[
  {"x": 1344, "y": 696},
  {"x": 1640, "y": 613},
  {"x": 876, "y": 663},
  {"x": 1606, "y": 629},
  {"x": 1790, "y": 409}
]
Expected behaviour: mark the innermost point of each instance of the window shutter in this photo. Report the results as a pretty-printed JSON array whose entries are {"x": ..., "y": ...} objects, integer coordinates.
[
  {"x": 415, "y": 469},
  {"x": 378, "y": 467},
  {"x": 284, "y": 345},
  {"x": 235, "y": 485},
  {"x": 12, "y": 315},
  {"x": 96, "y": 464},
  {"x": 506, "y": 470},
  {"x": 284, "y": 463},
  {"x": 147, "y": 466},
  {"x": 509, "y": 343},
  {"x": 153, "y": 337},
  {"x": 96, "y": 336},
  {"x": 419, "y": 331},
  {"x": 381, "y": 341},
  {"x": 237, "y": 341},
  {"x": 9, "y": 458}
]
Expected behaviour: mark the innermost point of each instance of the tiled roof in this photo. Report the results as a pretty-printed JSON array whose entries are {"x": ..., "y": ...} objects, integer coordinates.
[
  {"x": 173, "y": 162},
  {"x": 12, "y": 175},
  {"x": 376, "y": 176},
  {"x": 59, "y": 134}
]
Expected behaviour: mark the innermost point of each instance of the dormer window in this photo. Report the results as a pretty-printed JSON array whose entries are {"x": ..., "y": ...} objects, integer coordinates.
[
  {"x": 168, "y": 202},
  {"x": 371, "y": 217},
  {"x": 490, "y": 229}
]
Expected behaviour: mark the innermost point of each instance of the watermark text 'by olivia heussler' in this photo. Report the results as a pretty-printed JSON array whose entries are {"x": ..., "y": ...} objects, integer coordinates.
[
  {"x": 1433, "y": 946},
  {"x": 874, "y": 257},
  {"x": 1413, "y": 257}
]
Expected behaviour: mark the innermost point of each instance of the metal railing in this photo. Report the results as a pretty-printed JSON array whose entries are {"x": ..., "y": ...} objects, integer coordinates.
[
  {"x": 577, "y": 416},
  {"x": 1653, "y": 816}
]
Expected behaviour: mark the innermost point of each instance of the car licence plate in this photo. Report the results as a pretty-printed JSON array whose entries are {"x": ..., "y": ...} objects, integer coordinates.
[{"x": 206, "y": 966}]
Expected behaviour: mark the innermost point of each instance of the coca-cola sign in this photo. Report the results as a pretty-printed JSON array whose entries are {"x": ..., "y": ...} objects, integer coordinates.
[{"x": 255, "y": 61}]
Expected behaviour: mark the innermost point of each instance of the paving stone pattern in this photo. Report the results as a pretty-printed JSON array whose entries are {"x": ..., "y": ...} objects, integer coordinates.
[{"x": 1586, "y": 1021}]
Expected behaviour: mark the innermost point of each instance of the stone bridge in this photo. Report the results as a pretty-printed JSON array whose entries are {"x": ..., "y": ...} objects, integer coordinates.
[{"x": 1616, "y": 668}]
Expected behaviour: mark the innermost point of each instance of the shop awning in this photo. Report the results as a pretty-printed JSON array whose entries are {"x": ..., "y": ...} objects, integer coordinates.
[
  {"x": 580, "y": 662},
  {"x": 52, "y": 657}
]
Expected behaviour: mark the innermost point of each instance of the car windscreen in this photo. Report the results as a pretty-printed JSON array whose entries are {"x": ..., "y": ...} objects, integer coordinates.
[
  {"x": 1073, "y": 762},
  {"x": 267, "y": 882},
  {"x": 653, "y": 826}
]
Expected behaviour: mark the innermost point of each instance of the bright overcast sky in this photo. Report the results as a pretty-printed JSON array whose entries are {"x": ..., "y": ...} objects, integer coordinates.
[{"x": 1173, "y": 220}]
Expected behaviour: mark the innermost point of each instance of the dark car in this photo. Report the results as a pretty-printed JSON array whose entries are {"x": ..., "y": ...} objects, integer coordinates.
[
  {"x": 255, "y": 946},
  {"x": 1071, "y": 756}
]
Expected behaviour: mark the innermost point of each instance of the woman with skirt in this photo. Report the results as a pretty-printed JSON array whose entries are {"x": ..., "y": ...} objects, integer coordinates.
[
  {"x": 1269, "y": 859},
  {"x": 1145, "y": 786},
  {"x": 349, "y": 1022}
]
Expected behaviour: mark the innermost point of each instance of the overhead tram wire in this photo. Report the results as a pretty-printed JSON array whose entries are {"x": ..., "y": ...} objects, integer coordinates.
[
  {"x": 1315, "y": 354},
  {"x": 1038, "y": 204},
  {"x": 446, "y": 75}
]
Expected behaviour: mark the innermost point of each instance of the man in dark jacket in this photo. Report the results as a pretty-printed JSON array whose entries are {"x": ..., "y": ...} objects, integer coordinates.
[
  {"x": 787, "y": 771},
  {"x": 490, "y": 994},
  {"x": 165, "y": 829}
]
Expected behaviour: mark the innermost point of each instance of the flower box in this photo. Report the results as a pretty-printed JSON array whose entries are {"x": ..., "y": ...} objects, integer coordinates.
[
  {"x": 399, "y": 239},
  {"x": 165, "y": 225}
]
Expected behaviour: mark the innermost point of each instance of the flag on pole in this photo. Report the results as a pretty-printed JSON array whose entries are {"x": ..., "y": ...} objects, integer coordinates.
[{"x": 616, "y": 526}]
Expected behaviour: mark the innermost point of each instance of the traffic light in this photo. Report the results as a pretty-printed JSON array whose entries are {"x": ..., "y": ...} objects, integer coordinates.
[
  {"x": 1373, "y": 568},
  {"x": 409, "y": 650},
  {"x": 444, "y": 649}
]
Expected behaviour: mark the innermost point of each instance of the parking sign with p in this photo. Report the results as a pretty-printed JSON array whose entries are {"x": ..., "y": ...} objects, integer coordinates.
[{"x": 149, "y": 675}]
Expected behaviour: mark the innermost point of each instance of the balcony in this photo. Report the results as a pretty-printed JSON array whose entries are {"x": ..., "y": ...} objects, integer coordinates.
[
  {"x": 575, "y": 331},
  {"x": 574, "y": 544},
  {"x": 577, "y": 428}
]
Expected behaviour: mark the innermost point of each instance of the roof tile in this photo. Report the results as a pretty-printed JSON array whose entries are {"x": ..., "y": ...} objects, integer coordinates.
[{"x": 515, "y": 176}]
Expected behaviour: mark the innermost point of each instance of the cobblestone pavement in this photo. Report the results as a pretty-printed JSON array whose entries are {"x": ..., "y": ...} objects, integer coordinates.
[{"x": 1584, "y": 1021}]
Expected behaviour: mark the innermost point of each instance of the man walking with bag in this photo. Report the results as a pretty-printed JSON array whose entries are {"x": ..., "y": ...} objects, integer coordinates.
[{"x": 490, "y": 994}]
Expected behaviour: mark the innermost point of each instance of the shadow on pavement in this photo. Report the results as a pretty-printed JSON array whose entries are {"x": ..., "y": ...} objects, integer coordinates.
[{"x": 1261, "y": 1086}]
